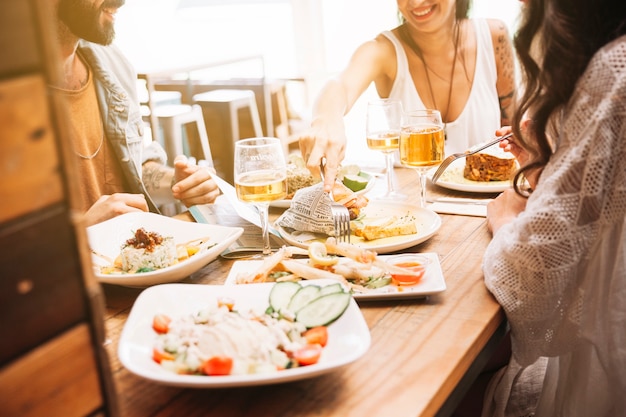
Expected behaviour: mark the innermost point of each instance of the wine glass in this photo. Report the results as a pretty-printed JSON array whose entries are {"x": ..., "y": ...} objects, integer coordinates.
[
  {"x": 421, "y": 143},
  {"x": 260, "y": 177},
  {"x": 383, "y": 134}
]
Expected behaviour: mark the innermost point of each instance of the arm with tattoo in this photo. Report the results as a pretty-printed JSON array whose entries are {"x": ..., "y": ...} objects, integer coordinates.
[
  {"x": 158, "y": 180},
  {"x": 505, "y": 65}
]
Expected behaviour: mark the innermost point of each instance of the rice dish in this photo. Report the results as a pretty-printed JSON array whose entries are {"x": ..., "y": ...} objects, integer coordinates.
[{"x": 148, "y": 251}]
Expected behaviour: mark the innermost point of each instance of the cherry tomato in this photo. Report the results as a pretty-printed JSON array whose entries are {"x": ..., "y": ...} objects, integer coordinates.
[
  {"x": 159, "y": 355},
  {"x": 161, "y": 323},
  {"x": 218, "y": 365},
  {"x": 308, "y": 354},
  {"x": 317, "y": 335}
]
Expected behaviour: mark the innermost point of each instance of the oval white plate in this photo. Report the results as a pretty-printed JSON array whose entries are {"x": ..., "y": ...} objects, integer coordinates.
[
  {"x": 427, "y": 223},
  {"x": 370, "y": 184},
  {"x": 348, "y": 337},
  {"x": 453, "y": 179},
  {"x": 106, "y": 238}
]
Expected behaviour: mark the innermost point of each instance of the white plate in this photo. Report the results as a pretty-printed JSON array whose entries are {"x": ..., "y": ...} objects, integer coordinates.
[
  {"x": 431, "y": 283},
  {"x": 427, "y": 223},
  {"x": 106, "y": 238},
  {"x": 370, "y": 184},
  {"x": 453, "y": 179},
  {"x": 348, "y": 337}
]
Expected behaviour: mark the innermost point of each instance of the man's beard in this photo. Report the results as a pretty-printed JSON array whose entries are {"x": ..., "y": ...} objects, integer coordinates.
[{"x": 84, "y": 19}]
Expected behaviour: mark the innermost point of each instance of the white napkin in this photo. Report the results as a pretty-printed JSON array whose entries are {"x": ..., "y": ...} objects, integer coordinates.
[{"x": 465, "y": 208}]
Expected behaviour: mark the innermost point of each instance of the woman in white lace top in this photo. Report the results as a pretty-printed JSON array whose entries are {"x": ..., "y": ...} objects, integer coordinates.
[{"x": 557, "y": 262}]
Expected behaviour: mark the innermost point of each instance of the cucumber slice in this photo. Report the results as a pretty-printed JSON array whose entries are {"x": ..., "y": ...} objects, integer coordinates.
[
  {"x": 378, "y": 282},
  {"x": 281, "y": 294},
  {"x": 302, "y": 297},
  {"x": 324, "y": 310},
  {"x": 329, "y": 289}
]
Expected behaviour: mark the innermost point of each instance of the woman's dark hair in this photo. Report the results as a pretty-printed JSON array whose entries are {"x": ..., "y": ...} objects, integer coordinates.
[
  {"x": 555, "y": 42},
  {"x": 463, "y": 8}
]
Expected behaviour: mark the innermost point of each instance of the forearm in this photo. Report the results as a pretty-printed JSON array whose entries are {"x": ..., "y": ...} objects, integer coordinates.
[
  {"x": 331, "y": 104},
  {"x": 158, "y": 180}
]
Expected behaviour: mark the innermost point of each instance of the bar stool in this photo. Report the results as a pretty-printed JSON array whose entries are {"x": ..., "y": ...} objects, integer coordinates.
[
  {"x": 173, "y": 119},
  {"x": 222, "y": 106}
]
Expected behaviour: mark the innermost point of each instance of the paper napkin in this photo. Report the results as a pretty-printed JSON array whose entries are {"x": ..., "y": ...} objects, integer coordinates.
[{"x": 464, "y": 208}]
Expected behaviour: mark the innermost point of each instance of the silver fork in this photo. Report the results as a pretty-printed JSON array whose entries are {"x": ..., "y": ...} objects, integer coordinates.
[
  {"x": 340, "y": 213},
  {"x": 471, "y": 151}
]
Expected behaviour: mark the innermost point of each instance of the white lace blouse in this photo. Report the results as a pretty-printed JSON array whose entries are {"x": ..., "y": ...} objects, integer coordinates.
[{"x": 559, "y": 270}]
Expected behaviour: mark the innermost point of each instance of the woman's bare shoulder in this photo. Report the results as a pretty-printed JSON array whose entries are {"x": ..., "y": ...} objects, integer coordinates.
[{"x": 497, "y": 27}]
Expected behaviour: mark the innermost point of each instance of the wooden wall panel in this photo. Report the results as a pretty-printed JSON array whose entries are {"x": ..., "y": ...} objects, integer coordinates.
[
  {"x": 29, "y": 162},
  {"x": 41, "y": 289},
  {"x": 61, "y": 377}
]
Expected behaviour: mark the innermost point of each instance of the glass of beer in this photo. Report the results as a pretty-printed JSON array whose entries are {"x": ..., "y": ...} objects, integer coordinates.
[
  {"x": 422, "y": 144},
  {"x": 383, "y": 134},
  {"x": 260, "y": 177}
]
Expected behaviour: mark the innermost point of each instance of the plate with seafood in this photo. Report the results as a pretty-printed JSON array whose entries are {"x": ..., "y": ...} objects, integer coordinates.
[{"x": 365, "y": 274}]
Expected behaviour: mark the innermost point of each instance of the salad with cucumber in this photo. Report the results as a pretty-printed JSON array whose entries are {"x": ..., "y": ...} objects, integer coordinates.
[{"x": 221, "y": 340}]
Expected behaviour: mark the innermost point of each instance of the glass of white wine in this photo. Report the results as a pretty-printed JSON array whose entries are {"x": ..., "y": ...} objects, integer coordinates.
[
  {"x": 383, "y": 134},
  {"x": 260, "y": 177},
  {"x": 422, "y": 142}
]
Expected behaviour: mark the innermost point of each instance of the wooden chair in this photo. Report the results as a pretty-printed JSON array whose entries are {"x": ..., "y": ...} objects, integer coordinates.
[{"x": 223, "y": 107}]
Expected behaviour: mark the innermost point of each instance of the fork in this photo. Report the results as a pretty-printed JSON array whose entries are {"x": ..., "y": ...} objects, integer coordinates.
[
  {"x": 471, "y": 151},
  {"x": 340, "y": 213}
]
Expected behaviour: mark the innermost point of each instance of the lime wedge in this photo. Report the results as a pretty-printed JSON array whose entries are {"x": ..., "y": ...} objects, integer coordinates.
[{"x": 354, "y": 182}]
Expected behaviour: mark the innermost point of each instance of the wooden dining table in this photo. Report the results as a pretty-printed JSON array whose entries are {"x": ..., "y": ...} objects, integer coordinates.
[{"x": 424, "y": 355}]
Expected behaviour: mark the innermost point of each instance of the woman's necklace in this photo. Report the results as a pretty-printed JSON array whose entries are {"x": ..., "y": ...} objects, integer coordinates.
[
  {"x": 411, "y": 43},
  {"x": 93, "y": 155}
]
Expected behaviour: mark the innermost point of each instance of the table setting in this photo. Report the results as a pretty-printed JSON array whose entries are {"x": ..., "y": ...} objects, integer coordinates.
[{"x": 442, "y": 346}]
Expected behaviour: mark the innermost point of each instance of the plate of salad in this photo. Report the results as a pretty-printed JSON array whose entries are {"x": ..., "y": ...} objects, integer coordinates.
[{"x": 210, "y": 336}]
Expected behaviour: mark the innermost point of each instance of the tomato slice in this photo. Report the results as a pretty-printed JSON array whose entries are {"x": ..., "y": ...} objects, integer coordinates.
[
  {"x": 161, "y": 323},
  {"x": 159, "y": 355},
  {"x": 218, "y": 365},
  {"x": 308, "y": 354},
  {"x": 317, "y": 335}
]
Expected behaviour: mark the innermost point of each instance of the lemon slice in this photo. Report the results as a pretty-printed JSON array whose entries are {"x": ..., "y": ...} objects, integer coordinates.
[{"x": 319, "y": 256}]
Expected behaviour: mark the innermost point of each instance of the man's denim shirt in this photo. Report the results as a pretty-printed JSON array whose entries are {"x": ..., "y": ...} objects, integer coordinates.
[{"x": 116, "y": 87}]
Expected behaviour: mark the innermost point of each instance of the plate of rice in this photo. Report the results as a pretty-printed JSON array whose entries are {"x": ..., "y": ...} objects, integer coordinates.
[{"x": 143, "y": 249}]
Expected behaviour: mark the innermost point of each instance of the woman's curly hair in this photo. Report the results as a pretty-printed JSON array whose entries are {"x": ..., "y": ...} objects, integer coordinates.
[{"x": 554, "y": 44}]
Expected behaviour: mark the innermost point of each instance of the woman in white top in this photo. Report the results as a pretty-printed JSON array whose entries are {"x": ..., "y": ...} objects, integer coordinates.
[
  {"x": 557, "y": 261},
  {"x": 437, "y": 58}
]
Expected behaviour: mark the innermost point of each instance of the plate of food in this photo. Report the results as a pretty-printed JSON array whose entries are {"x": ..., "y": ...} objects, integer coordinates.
[
  {"x": 487, "y": 172},
  {"x": 298, "y": 177},
  {"x": 381, "y": 226},
  {"x": 239, "y": 337},
  {"x": 142, "y": 249},
  {"x": 366, "y": 275}
]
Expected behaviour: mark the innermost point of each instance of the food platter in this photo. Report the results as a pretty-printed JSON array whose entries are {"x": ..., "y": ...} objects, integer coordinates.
[
  {"x": 371, "y": 180},
  {"x": 106, "y": 238},
  {"x": 348, "y": 337},
  {"x": 431, "y": 283},
  {"x": 453, "y": 179},
  {"x": 427, "y": 222}
]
